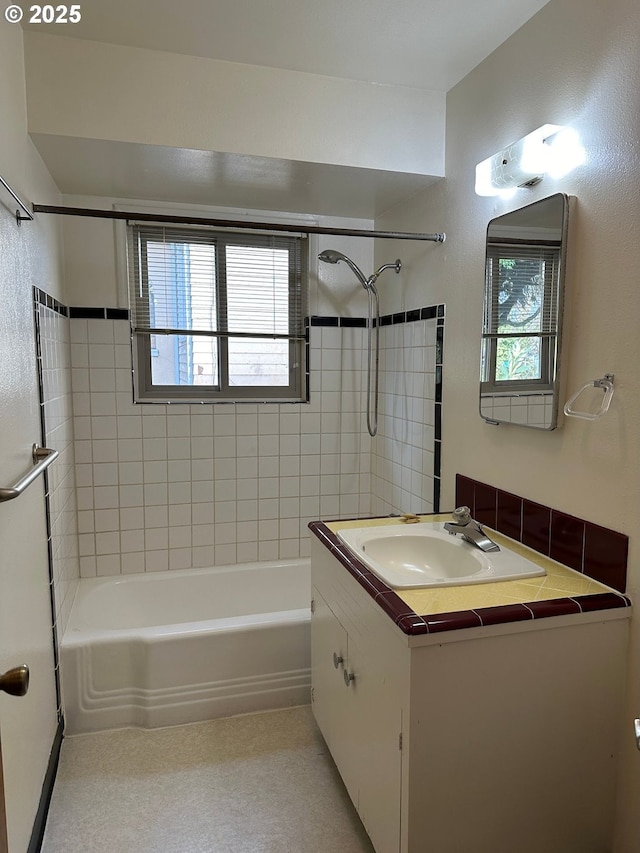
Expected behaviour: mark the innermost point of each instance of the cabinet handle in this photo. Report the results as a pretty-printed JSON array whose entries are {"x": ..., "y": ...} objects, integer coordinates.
[
  {"x": 337, "y": 660},
  {"x": 348, "y": 677}
]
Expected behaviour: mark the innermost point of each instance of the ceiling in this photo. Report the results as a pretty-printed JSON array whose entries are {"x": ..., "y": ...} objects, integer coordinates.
[
  {"x": 423, "y": 44},
  {"x": 428, "y": 44},
  {"x": 124, "y": 170}
]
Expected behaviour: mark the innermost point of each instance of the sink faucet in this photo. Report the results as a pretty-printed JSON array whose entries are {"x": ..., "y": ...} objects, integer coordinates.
[{"x": 469, "y": 529}]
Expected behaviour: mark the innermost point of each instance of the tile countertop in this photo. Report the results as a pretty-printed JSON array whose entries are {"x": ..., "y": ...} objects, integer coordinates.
[{"x": 561, "y": 592}]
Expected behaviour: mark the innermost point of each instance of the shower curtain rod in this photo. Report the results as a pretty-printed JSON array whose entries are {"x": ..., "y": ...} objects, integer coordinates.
[
  {"x": 18, "y": 200},
  {"x": 233, "y": 223}
]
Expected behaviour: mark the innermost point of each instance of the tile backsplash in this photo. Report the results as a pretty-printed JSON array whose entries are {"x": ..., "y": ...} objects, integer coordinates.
[{"x": 596, "y": 551}]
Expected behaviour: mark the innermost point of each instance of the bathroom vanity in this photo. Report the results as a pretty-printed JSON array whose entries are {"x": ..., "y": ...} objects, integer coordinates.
[{"x": 490, "y": 725}]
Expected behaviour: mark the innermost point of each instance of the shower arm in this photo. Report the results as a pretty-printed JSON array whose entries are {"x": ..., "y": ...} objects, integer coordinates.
[{"x": 396, "y": 265}]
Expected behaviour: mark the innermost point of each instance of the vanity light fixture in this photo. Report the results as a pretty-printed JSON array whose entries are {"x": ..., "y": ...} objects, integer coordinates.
[{"x": 550, "y": 150}]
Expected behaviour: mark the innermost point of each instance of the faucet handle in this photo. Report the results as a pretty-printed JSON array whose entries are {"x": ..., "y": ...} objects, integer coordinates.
[{"x": 462, "y": 515}]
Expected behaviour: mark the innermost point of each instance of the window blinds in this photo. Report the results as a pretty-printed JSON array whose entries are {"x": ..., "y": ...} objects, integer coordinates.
[
  {"x": 199, "y": 281},
  {"x": 521, "y": 290}
]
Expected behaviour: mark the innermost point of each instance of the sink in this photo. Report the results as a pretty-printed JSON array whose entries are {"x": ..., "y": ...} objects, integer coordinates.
[{"x": 424, "y": 554}]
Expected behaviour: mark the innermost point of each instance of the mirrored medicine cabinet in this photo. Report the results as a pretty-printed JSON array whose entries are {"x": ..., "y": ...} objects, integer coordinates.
[{"x": 522, "y": 314}]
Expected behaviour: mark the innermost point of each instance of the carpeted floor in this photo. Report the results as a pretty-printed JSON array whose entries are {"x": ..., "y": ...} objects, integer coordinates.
[{"x": 263, "y": 783}]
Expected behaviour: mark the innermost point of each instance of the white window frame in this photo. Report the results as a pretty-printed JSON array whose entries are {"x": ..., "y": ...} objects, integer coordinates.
[{"x": 489, "y": 384}]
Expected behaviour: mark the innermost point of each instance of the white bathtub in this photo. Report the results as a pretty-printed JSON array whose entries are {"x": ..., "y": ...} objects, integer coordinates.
[{"x": 184, "y": 646}]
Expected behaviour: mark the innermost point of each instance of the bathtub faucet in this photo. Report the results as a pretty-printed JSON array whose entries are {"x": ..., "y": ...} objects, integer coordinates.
[{"x": 469, "y": 529}]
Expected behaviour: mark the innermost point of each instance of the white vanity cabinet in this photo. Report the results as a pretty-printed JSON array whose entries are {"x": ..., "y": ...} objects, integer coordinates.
[
  {"x": 481, "y": 740},
  {"x": 360, "y": 672}
]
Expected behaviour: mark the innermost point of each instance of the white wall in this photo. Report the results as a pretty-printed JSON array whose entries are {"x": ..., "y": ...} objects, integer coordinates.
[
  {"x": 575, "y": 63},
  {"x": 30, "y": 256},
  {"x": 135, "y": 95},
  {"x": 94, "y": 275}
]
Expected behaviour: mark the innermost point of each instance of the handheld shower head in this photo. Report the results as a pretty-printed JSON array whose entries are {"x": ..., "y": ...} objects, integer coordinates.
[{"x": 331, "y": 256}]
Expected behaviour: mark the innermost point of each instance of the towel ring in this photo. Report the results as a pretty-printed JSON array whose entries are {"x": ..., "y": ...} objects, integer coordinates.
[{"x": 606, "y": 383}]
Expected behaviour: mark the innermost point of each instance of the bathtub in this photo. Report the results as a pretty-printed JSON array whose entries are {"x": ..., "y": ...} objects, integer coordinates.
[{"x": 185, "y": 646}]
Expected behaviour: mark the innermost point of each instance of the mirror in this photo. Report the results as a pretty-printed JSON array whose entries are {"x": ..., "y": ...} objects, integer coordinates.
[{"x": 522, "y": 314}]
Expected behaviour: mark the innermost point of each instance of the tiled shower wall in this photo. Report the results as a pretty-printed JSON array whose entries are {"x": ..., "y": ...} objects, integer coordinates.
[
  {"x": 405, "y": 461},
  {"x": 54, "y": 371},
  {"x": 173, "y": 486}
]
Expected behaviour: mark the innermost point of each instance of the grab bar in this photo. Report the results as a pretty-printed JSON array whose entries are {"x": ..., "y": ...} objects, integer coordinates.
[
  {"x": 42, "y": 458},
  {"x": 606, "y": 383}
]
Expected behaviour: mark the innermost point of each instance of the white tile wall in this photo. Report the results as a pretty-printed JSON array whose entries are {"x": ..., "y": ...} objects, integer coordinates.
[
  {"x": 402, "y": 461},
  {"x": 58, "y": 421},
  {"x": 167, "y": 487}
]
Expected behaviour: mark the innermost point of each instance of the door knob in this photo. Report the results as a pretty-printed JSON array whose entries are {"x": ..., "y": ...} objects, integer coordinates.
[{"x": 15, "y": 681}]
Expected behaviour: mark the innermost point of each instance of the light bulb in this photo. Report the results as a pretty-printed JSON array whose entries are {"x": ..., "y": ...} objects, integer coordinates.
[{"x": 565, "y": 152}]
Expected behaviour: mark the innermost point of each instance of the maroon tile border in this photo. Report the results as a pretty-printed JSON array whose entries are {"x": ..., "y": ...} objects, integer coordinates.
[
  {"x": 536, "y": 527},
  {"x": 605, "y": 556},
  {"x": 497, "y": 615},
  {"x": 454, "y": 621},
  {"x": 485, "y": 504},
  {"x": 465, "y": 495},
  {"x": 611, "y": 600},
  {"x": 509, "y": 515},
  {"x": 414, "y": 624},
  {"x": 395, "y": 607},
  {"x": 567, "y": 540},
  {"x": 595, "y": 551},
  {"x": 554, "y": 607}
]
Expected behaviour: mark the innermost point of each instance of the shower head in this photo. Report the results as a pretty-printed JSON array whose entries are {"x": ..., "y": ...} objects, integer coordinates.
[{"x": 331, "y": 256}]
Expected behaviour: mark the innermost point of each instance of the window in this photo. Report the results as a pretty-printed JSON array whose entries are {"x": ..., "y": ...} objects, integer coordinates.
[
  {"x": 217, "y": 315},
  {"x": 521, "y": 306}
]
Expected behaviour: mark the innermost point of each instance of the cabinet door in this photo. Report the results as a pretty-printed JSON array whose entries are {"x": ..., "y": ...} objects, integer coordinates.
[
  {"x": 329, "y": 693},
  {"x": 360, "y": 717},
  {"x": 375, "y": 714}
]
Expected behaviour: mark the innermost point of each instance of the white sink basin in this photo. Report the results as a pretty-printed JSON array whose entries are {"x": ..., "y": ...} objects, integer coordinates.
[{"x": 424, "y": 554}]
